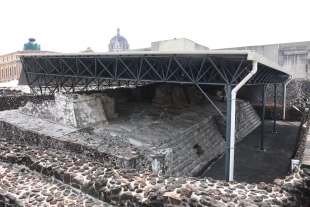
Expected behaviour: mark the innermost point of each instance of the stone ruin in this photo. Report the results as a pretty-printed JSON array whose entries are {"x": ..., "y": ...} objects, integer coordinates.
[
  {"x": 74, "y": 110},
  {"x": 125, "y": 154},
  {"x": 178, "y": 134}
]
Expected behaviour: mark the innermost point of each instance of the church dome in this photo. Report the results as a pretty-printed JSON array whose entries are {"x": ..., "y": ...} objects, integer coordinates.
[
  {"x": 32, "y": 45},
  {"x": 118, "y": 43}
]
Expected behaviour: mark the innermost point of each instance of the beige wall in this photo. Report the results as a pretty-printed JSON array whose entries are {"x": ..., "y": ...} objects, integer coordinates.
[{"x": 10, "y": 67}]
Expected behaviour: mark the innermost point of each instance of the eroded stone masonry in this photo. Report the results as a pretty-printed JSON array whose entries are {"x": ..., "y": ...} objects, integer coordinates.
[{"x": 128, "y": 147}]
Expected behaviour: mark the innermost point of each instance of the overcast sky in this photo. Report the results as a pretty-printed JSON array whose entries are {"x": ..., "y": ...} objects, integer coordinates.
[{"x": 74, "y": 25}]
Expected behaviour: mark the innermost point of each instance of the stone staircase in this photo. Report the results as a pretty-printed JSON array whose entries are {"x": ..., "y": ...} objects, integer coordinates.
[
  {"x": 246, "y": 120},
  {"x": 195, "y": 147}
]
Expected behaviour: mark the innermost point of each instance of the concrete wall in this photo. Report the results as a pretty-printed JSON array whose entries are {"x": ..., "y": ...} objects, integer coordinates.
[
  {"x": 293, "y": 57},
  {"x": 177, "y": 45}
]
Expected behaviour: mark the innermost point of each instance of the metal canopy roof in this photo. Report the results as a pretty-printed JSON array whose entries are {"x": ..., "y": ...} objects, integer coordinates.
[{"x": 97, "y": 70}]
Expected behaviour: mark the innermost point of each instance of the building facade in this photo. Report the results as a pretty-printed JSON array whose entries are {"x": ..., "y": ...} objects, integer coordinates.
[
  {"x": 293, "y": 57},
  {"x": 10, "y": 67},
  {"x": 118, "y": 43},
  {"x": 10, "y": 64}
]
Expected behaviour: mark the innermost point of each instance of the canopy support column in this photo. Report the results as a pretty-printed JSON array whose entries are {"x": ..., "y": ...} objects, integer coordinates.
[
  {"x": 263, "y": 118},
  {"x": 228, "y": 125},
  {"x": 284, "y": 95},
  {"x": 275, "y": 110}
]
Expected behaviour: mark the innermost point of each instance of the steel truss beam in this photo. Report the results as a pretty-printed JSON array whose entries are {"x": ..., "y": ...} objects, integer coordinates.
[{"x": 76, "y": 72}]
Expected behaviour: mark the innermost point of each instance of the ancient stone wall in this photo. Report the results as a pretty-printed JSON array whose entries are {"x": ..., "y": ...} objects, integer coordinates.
[
  {"x": 108, "y": 106},
  {"x": 246, "y": 120},
  {"x": 127, "y": 187},
  {"x": 8, "y": 200},
  {"x": 106, "y": 181},
  {"x": 17, "y": 134},
  {"x": 194, "y": 148},
  {"x": 70, "y": 109},
  {"x": 294, "y": 89},
  {"x": 291, "y": 113},
  {"x": 175, "y": 95},
  {"x": 14, "y": 102}
]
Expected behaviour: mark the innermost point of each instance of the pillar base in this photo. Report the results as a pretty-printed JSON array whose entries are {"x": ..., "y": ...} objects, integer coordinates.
[{"x": 262, "y": 149}]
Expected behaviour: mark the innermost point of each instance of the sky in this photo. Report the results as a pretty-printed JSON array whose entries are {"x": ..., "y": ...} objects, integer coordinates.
[{"x": 74, "y": 25}]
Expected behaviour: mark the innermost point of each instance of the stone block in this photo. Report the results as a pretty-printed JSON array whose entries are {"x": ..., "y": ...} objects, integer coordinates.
[
  {"x": 163, "y": 95},
  {"x": 109, "y": 107},
  {"x": 173, "y": 197},
  {"x": 192, "y": 95},
  {"x": 178, "y": 98},
  {"x": 136, "y": 93},
  {"x": 67, "y": 177},
  {"x": 120, "y": 95}
]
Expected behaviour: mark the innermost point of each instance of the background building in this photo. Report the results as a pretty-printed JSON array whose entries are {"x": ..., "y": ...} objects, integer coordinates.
[
  {"x": 176, "y": 44},
  {"x": 118, "y": 43},
  {"x": 294, "y": 57},
  {"x": 10, "y": 64}
]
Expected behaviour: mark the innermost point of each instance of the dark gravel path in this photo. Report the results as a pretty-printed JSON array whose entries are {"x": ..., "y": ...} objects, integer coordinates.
[{"x": 254, "y": 166}]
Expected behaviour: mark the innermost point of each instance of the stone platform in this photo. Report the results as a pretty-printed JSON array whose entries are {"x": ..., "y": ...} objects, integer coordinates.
[{"x": 182, "y": 142}]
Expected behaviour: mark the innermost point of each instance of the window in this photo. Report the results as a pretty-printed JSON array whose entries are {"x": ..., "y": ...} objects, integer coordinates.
[
  {"x": 14, "y": 70},
  {"x": 10, "y": 71}
]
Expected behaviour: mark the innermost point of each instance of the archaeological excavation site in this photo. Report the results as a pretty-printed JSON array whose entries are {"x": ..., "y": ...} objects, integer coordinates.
[{"x": 152, "y": 130}]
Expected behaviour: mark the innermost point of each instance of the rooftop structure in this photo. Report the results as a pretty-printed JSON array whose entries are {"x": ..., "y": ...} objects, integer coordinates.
[{"x": 186, "y": 67}]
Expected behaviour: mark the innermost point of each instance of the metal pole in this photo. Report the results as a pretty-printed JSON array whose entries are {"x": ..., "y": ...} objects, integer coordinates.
[
  {"x": 275, "y": 110},
  {"x": 284, "y": 101},
  {"x": 284, "y": 96},
  {"x": 210, "y": 100},
  {"x": 228, "y": 125},
  {"x": 263, "y": 118}
]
